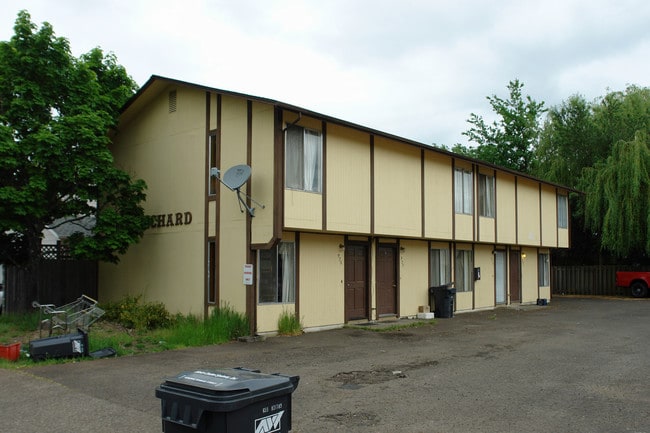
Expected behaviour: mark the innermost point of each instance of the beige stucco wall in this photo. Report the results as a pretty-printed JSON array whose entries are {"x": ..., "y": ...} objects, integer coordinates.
[
  {"x": 506, "y": 210},
  {"x": 414, "y": 276},
  {"x": 549, "y": 216},
  {"x": 529, "y": 278},
  {"x": 232, "y": 227},
  {"x": 398, "y": 209},
  {"x": 322, "y": 265},
  {"x": 167, "y": 264},
  {"x": 484, "y": 289},
  {"x": 438, "y": 201},
  {"x": 262, "y": 176},
  {"x": 464, "y": 300},
  {"x": 268, "y": 315},
  {"x": 348, "y": 180},
  {"x": 528, "y": 212}
]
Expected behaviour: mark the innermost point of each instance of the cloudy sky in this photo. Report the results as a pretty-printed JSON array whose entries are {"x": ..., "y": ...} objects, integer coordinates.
[{"x": 413, "y": 68}]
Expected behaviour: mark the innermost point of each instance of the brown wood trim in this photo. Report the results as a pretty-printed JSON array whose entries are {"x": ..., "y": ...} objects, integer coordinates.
[
  {"x": 372, "y": 186},
  {"x": 278, "y": 175},
  {"x": 251, "y": 292},
  {"x": 206, "y": 207},
  {"x": 398, "y": 261},
  {"x": 473, "y": 280},
  {"x": 541, "y": 220},
  {"x": 516, "y": 211},
  {"x": 422, "y": 194},
  {"x": 453, "y": 199},
  {"x": 297, "y": 273},
  {"x": 496, "y": 212},
  {"x": 324, "y": 175},
  {"x": 476, "y": 212},
  {"x": 267, "y": 246},
  {"x": 217, "y": 219}
]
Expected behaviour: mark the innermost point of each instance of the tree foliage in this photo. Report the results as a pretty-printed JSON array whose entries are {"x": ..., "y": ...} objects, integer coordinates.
[
  {"x": 55, "y": 114},
  {"x": 600, "y": 149},
  {"x": 618, "y": 191},
  {"x": 511, "y": 139}
]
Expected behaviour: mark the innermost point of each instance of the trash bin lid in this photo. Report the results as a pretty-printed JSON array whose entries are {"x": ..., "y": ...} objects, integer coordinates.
[{"x": 226, "y": 389}]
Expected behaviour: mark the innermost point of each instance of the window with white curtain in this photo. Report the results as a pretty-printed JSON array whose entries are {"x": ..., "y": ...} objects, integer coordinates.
[
  {"x": 544, "y": 270},
  {"x": 486, "y": 195},
  {"x": 562, "y": 212},
  {"x": 463, "y": 191},
  {"x": 440, "y": 267},
  {"x": 304, "y": 159},
  {"x": 464, "y": 270},
  {"x": 276, "y": 274}
]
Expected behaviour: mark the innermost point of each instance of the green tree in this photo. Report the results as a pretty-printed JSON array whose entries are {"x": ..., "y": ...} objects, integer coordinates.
[
  {"x": 566, "y": 144},
  {"x": 509, "y": 141},
  {"x": 55, "y": 114},
  {"x": 618, "y": 197}
]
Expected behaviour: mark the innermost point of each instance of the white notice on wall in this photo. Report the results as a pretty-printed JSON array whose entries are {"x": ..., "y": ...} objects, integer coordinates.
[{"x": 248, "y": 274}]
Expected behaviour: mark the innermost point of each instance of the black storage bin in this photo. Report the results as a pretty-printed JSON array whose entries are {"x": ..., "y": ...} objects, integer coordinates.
[
  {"x": 234, "y": 400},
  {"x": 442, "y": 297},
  {"x": 62, "y": 346}
]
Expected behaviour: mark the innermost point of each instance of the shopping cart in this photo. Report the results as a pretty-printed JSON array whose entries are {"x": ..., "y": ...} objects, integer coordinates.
[{"x": 79, "y": 314}]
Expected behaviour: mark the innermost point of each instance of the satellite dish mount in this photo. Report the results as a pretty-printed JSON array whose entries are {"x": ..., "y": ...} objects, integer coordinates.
[{"x": 234, "y": 178}]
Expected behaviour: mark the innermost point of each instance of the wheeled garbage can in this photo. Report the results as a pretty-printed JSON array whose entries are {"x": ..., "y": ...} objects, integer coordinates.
[
  {"x": 61, "y": 346},
  {"x": 234, "y": 400},
  {"x": 442, "y": 297}
]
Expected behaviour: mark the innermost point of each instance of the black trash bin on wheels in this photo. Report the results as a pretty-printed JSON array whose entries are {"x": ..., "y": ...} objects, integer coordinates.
[
  {"x": 234, "y": 400},
  {"x": 442, "y": 297}
]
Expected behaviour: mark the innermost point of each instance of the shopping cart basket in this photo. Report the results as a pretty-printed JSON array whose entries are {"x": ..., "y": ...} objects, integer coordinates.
[{"x": 79, "y": 314}]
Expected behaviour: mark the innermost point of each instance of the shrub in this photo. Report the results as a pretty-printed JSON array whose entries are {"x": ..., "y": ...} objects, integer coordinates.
[
  {"x": 131, "y": 313},
  {"x": 289, "y": 324}
]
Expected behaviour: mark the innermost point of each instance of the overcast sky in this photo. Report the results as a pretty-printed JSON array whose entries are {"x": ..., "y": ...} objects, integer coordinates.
[{"x": 416, "y": 69}]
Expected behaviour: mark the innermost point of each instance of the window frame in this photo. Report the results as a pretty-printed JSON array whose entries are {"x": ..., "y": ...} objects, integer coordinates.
[
  {"x": 562, "y": 211},
  {"x": 544, "y": 269},
  {"x": 439, "y": 266},
  {"x": 297, "y": 154},
  {"x": 463, "y": 191},
  {"x": 281, "y": 291},
  {"x": 486, "y": 195},
  {"x": 464, "y": 270}
]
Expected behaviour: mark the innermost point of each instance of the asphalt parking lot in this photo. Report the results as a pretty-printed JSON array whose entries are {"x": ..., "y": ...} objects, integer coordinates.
[{"x": 576, "y": 365}]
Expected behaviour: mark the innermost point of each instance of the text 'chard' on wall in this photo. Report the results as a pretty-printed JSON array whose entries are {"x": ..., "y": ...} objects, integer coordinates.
[{"x": 171, "y": 219}]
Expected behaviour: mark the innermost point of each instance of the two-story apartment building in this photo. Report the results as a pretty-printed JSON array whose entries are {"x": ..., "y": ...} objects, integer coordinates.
[{"x": 355, "y": 223}]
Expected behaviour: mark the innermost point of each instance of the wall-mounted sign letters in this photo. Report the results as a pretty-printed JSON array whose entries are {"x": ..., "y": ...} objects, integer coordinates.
[{"x": 171, "y": 219}]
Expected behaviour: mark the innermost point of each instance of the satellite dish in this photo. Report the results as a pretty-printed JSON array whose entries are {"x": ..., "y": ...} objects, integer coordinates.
[{"x": 236, "y": 176}]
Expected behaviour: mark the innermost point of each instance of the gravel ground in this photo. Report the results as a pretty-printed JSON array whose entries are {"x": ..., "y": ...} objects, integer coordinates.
[{"x": 576, "y": 365}]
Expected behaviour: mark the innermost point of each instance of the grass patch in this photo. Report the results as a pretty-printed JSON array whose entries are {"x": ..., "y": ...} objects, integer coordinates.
[
  {"x": 289, "y": 324},
  {"x": 223, "y": 325}
]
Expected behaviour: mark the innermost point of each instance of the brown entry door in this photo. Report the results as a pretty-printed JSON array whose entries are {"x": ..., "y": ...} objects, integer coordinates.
[
  {"x": 515, "y": 276},
  {"x": 356, "y": 282},
  {"x": 386, "y": 280}
]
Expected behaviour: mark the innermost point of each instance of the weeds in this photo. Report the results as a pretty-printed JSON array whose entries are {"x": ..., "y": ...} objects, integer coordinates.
[
  {"x": 132, "y": 327},
  {"x": 289, "y": 324}
]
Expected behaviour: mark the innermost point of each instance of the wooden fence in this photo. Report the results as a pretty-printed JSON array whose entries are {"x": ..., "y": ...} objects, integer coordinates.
[
  {"x": 588, "y": 280},
  {"x": 58, "y": 282}
]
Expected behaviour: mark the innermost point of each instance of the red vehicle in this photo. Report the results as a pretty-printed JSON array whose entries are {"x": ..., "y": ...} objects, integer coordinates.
[{"x": 638, "y": 282}]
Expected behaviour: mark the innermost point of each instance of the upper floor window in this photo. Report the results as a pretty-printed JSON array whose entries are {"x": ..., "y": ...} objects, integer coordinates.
[
  {"x": 562, "y": 212},
  {"x": 304, "y": 159},
  {"x": 463, "y": 191},
  {"x": 486, "y": 195}
]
